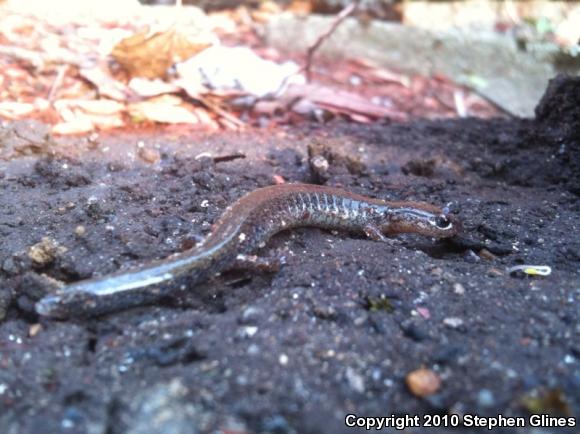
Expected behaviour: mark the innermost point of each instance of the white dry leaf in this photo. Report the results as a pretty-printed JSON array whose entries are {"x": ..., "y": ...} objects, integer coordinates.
[
  {"x": 106, "y": 122},
  {"x": 192, "y": 87},
  {"x": 105, "y": 84},
  {"x": 65, "y": 109},
  {"x": 81, "y": 116},
  {"x": 568, "y": 31},
  {"x": 165, "y": 109},
  {"x": 77, "y": 125},
  {"x": 41, "y": 104},
  {"x": 68, "y": 109},
  {"x": 147, "y": 88},
  {"x": 15, "y": 110},
  {"x": 236, "y": 68},
  {"x": 100, "y": 106}
]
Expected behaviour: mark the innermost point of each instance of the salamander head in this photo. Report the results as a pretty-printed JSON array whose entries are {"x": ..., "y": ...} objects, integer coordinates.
[{"x": 423, "y": 219}]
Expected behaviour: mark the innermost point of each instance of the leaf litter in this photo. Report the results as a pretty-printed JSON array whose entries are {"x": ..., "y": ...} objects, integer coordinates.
[{"x": 206, "y": 71}]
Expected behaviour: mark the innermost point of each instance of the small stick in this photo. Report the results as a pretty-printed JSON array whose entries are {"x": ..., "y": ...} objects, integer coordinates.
[
  {"x": 57, "y": 83},
  {"x": 226, "y": 158},
  {"x": 221, "y": 112},
  {"x": 342, "y": 15}
]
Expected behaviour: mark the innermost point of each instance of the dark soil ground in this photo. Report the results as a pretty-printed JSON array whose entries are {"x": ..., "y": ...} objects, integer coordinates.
[{"x": 337, "y": 330}]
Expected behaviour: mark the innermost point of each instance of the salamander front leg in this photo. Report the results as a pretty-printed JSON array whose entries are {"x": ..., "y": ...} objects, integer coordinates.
[
  {"x": 259, "y": 264},
  {"x": 375, "y": 234}
]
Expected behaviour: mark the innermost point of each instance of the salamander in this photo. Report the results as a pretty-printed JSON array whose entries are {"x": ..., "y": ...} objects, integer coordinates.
[{"x": 242, "y": 228}]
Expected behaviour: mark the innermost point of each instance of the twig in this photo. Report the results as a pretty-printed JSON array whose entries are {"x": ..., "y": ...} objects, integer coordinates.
[
  {"x": 221, "y": 158},
  {"x": 342, "y": 15},
  {"x": 226, "y": 158},
  {"x": 220, "y": 112},
  {"x": 57, "y": 83}
]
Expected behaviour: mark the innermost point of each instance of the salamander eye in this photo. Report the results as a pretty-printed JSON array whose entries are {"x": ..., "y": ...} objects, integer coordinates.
[{"x": 443, "y": 222}]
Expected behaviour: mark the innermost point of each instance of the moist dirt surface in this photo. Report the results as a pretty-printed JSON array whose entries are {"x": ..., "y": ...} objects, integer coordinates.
[{"x": 339, "y": 327}]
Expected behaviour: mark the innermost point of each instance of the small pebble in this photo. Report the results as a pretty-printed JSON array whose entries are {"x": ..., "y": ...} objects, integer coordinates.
[
  {"x": 319, "y": 163},
  {"x": 471, "y": 257},
  {"x": 569, "y": 359},
  {"x": 458, "y": 288},
  {"x": 423, "y": 382},
  {"x": 249, "y": 331},
  {"x": 253, "y": 350},
  {"x": 485, "y": 398},
  {"x": 283, "y": 359},
  {"x": 250, "y": 315},
  {"x": 9, "y": 266},
  {"x": 93, "y": 139},
  {"x": 278, "y": 179},
  {"x": 453, "y": 322},
  {"x": 424, "y": 312},
  {"x": 495, "y": 272},
  {"x": 149, "y": 155},
  {"x": 414, "y": 331},
  {"x": 34, "y": 329},
  {"x": 487, "y": 255},
  {"x": 437, "y": 272},
  {"x": 355, "y": 380},
  {"x": 80, "y": 231}
]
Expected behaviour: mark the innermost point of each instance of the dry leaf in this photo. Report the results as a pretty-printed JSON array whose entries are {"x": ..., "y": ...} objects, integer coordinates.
[
  {"x": 148, "y": 88},
  {"x": 150, "y": 56},
  {"x": 81, "y": 116},
  {"x": 236, "y": 68},
  {"x": 77, "y": 125},
  {"x": 105, "y": 83},
  {"x": 106, "y": 122},
  {"x": 15, "y": 110},
  {"x": 165, "y": 109},
  {"x": 98, "y": 106}
]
